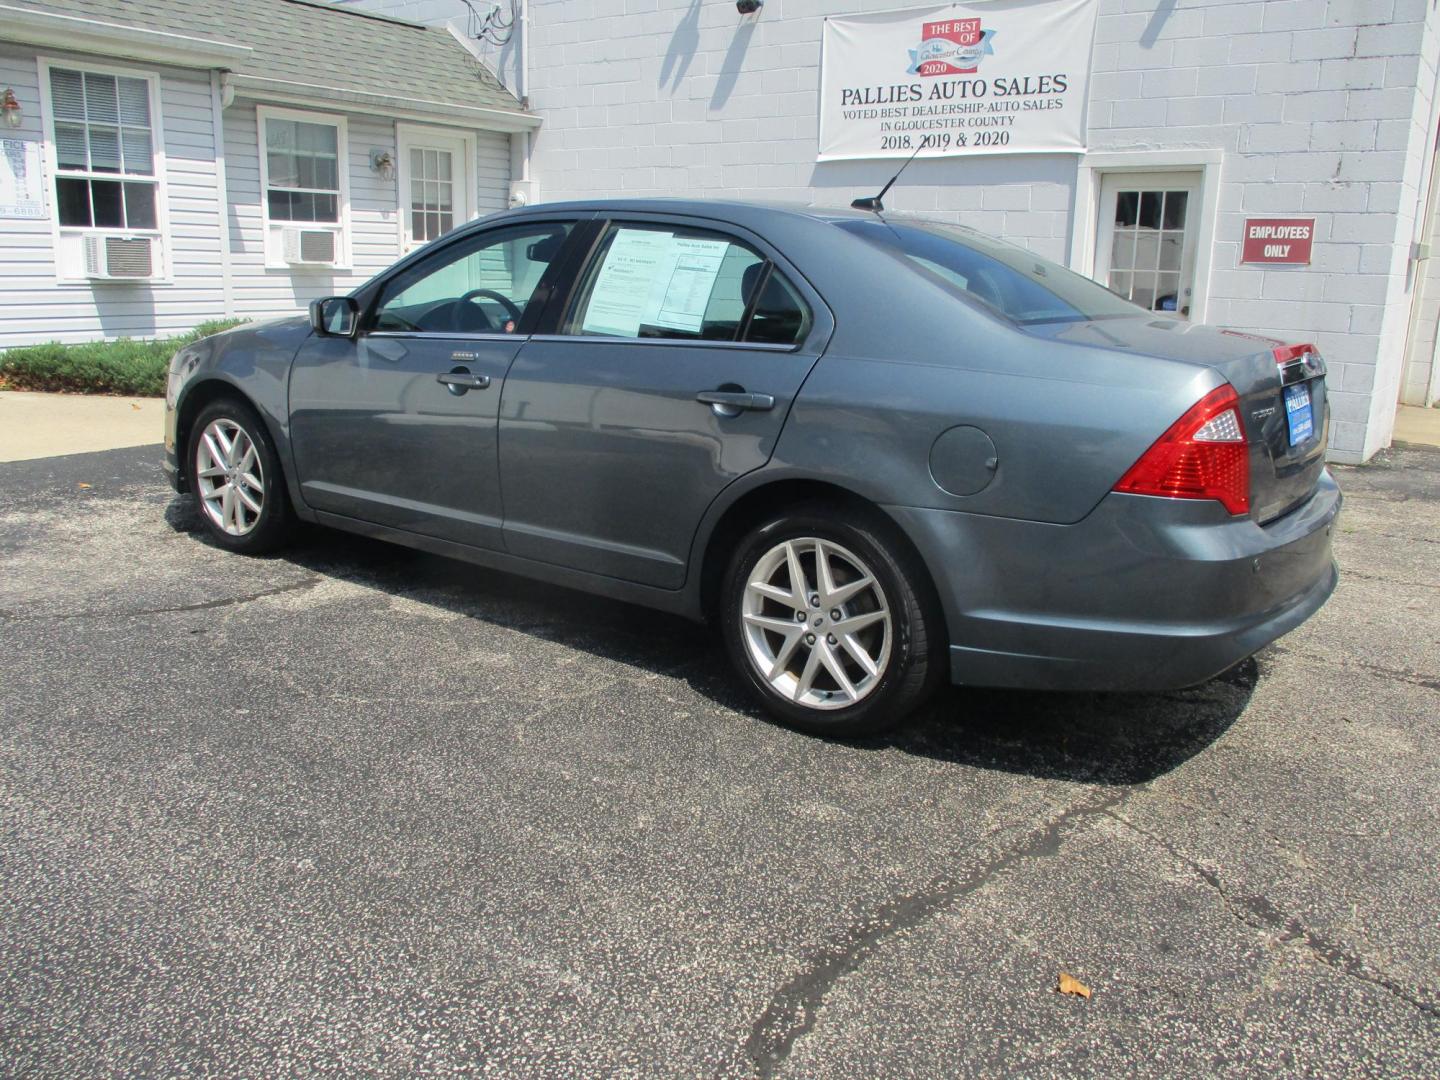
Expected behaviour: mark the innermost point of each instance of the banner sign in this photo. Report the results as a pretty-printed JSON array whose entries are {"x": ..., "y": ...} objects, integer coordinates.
[
  {"x": 22, "y": 191},
  {"x": 986, "y": 77},
  {"x": 1278, "y": 240}
]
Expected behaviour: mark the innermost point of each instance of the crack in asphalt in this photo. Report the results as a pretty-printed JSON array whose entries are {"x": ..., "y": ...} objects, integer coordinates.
[
  {"x": 1406, "y": 539},
  {"x": 1260, "y": 913},
  {"x": 794, "y": 1007},
  {"x": 1362, "y": 576},
  {"x": 1376, "y": 669},
  {"x": 204, "y": 605}
]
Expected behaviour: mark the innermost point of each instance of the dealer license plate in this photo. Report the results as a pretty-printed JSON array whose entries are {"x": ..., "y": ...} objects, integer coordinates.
[{"x": 1299, "y": 412}]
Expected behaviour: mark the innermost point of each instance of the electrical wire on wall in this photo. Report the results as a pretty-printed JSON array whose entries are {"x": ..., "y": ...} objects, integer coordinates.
[
  {"x": 495, "y": 27},
  {"x": 492, "y": 30}
]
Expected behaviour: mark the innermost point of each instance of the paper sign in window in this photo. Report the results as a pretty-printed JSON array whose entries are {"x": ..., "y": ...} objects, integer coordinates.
[
  {"x": 653, "y": 280},
  {"x": 621, "y": 295},
  {"x": 694, "y": 266}
]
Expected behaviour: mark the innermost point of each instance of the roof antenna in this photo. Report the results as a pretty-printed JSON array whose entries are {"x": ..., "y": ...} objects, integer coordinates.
[{"x": 872, "y": 202}]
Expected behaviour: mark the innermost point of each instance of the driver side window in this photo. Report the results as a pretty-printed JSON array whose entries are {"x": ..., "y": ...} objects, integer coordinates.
[{"x": 479, "y": 285}]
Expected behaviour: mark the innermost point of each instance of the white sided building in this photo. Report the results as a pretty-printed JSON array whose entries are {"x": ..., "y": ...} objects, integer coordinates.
[
  {"x": 165, "y": 163},
  {"x": 1306, "y": 125}
]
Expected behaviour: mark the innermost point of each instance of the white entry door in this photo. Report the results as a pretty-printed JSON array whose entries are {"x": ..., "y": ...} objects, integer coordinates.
[
  {"x": 436, "y": 192},
  {"x": 1145, "y": 247}
]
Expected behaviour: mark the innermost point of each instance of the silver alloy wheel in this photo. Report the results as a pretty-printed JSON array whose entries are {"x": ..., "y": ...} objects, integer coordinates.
[
  {"x": 229, "y": 477},
  {"x": 816, "y": 624}
]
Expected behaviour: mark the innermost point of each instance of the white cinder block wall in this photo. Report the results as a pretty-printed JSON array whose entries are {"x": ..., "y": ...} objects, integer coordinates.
[{"x": 1313, "y": 102}]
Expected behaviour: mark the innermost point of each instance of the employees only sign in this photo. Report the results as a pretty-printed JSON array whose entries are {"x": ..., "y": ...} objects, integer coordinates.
[
  {"x": 996, "y": 77},
  {"x": 1278, "y": 240}
]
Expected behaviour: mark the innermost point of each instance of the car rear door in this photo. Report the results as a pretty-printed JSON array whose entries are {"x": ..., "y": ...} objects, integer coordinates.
[
  {"x": 397, "y": 425},
  {"x": 672, "y": 366}
]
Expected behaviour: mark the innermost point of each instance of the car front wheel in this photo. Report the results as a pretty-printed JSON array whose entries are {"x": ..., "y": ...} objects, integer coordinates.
[
  {"x": 235, "y": 475},
  {"x": 825, "y": 619}
]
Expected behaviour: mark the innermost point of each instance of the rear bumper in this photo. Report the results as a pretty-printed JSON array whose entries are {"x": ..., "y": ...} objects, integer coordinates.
[{"x": 1143, "y": 594}]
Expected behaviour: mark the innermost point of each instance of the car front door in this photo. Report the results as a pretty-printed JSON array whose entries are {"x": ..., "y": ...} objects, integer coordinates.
[
  {"x": 671, "y": 371},
  {"x": 397, "y": 425}
]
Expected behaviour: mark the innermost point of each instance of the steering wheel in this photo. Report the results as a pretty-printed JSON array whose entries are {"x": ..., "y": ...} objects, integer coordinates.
[{"x": 488, "y": 294}]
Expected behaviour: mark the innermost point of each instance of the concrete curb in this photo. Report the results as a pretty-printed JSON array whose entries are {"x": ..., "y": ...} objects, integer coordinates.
[{"x": 35, "y": 425}]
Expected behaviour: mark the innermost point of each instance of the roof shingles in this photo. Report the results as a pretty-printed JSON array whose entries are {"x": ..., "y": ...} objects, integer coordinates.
[{"x": 314, "y": 43}]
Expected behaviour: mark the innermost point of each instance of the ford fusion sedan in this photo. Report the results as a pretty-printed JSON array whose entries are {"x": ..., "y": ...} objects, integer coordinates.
[{"x": 878, "y": 453}]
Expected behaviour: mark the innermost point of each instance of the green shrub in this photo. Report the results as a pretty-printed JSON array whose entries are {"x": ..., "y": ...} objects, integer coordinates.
[{"x": 125, "y": 366}]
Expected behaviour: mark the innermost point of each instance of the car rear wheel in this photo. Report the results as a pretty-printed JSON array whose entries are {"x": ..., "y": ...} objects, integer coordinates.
[
  {"x": 235, "y": 475},
  {"x": 825, "y": 619}
]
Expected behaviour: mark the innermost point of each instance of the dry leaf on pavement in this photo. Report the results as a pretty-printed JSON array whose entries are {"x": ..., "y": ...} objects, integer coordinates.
[{"x": 1071, "y": 985}]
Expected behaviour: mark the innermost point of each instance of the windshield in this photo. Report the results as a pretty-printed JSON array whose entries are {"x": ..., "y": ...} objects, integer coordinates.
[{"x": 1009, "y": 279}]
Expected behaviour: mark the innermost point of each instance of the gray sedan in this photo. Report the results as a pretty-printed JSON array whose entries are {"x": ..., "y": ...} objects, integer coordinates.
[{"x": 877, "y": 452}]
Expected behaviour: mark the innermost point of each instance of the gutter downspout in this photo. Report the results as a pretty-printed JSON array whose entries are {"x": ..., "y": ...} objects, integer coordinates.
[
  {"x": 222, "y": 191},
  {"x": 525, "y": 87}
]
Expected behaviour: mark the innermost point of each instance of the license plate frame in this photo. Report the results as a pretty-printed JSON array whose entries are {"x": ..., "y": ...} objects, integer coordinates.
[{"x": 1299, "y": 412}]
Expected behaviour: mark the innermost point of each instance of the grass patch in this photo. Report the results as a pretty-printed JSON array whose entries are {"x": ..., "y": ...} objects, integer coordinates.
[{"x": 125, "y": 366}]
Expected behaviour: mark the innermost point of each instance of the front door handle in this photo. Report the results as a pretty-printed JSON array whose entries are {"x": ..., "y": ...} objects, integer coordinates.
[
  {"x": 457, "y": 382},
  {"x": 736, "y": 400}
]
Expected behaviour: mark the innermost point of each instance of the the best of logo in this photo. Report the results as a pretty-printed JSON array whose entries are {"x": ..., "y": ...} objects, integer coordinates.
[{"x": 951, "y": 47}]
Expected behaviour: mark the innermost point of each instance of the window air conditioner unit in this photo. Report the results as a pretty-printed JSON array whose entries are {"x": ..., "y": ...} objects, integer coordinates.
[
  {"x": 309, "y": 247},
  {"x": 110, "y": 258}
]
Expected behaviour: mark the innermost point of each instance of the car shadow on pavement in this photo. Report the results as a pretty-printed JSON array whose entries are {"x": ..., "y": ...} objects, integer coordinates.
[
  {"x": 1118, "y": 739},
  {"x": 1094, "y": 738}
]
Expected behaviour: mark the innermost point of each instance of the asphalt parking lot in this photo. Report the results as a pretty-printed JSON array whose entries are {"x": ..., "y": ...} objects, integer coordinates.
[{"x": 361, "y": 811}]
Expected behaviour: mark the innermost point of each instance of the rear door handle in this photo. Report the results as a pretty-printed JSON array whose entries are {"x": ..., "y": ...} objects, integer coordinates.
[
  {"x": 463, "y": 380},
  {"x": 728, "y": 399}
]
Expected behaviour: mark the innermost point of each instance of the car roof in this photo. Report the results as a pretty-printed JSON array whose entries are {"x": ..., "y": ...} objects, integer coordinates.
[{"x": 741, "y": 212}]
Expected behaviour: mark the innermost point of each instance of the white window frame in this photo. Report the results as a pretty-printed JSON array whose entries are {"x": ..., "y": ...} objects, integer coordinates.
[
  {"x": 407, "y": 135},
  {"x": 164, "y": 272},
  {"x": 274, "y": 251},
  {"x": 1169, "y": 181},
  {"x": 1088, "y": 179}
]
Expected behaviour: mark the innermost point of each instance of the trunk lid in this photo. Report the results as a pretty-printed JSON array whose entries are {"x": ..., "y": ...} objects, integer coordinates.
[{"x": 1276, "y": 383}]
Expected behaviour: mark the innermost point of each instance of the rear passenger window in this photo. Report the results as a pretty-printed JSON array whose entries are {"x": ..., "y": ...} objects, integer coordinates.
[{"x": 685, "y": 284}]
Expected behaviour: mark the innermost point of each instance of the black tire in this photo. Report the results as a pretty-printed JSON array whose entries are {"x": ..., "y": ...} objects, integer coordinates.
[
  {"x": 271, "y": 528},
  {"x": 914, "y": 665}
]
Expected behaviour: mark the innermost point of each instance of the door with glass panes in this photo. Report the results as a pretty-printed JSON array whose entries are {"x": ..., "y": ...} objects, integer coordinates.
[
  {"x": 435, "y": 190},
  {"x": 1145, "y": 247}
]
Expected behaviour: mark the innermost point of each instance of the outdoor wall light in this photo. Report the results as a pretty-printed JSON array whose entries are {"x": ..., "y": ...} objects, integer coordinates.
[
  {"x": 383, "y": 162},
  {"x": 748, "y": 7},
  {"x": 11, "y": 108}
]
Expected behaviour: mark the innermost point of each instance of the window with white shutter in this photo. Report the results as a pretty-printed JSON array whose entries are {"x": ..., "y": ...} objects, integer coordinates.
[{"x": 105, "y": 152}]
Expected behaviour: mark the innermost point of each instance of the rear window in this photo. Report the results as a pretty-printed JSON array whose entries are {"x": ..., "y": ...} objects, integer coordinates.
[{"x": 1007, "y": 278}]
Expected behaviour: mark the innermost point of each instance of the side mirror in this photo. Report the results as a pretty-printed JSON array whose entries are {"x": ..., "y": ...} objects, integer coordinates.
[{"x": 334, "y": 316}]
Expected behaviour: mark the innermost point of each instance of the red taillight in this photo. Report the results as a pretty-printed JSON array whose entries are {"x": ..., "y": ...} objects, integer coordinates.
[{"x": 1204, "y": 455}]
